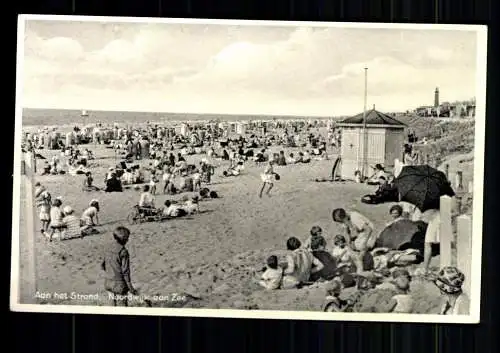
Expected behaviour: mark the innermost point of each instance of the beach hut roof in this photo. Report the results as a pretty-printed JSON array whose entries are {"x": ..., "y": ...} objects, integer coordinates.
[{"x": 373, "y": 117}]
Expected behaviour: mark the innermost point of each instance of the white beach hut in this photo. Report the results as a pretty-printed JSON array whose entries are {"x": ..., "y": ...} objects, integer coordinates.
[
  {"x": 384, "y": 136},
  {"x": 241, "y": 128},
  {"x": 184, "y": 129}
]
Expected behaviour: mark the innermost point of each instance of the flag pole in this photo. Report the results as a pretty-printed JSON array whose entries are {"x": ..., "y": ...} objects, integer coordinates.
[{"x": 365, "y": 136}]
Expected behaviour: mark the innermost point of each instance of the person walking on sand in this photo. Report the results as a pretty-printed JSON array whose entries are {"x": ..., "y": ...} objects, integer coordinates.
[
  {"x": 267, "y": 179},
  {"x": 116, "y": 266}
]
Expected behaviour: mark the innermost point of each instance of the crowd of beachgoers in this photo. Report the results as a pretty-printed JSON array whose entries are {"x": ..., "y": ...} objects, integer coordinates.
[{"x": 158, "y": 160}]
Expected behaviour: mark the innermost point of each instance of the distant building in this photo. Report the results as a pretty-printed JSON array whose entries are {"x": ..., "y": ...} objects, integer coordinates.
[
  {"x": 463, "y": 110},
  {"x": 424, "y": 111}
]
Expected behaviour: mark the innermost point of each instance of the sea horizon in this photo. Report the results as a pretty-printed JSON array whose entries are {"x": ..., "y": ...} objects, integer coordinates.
[{"x": 49, "y": 117}]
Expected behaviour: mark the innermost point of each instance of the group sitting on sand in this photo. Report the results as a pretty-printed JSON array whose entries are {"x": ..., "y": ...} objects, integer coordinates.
[
  {"x": 353, "y": 261},
  {"x": 60, "y": 222},
  {"x": 171, "y": 209}
]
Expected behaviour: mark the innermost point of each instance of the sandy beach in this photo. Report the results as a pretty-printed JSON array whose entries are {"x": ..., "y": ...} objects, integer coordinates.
[{"x": 214, "y": 255}]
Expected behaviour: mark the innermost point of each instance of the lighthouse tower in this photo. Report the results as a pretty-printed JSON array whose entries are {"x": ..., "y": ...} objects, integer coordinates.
[{"x": 436, "y": 97}]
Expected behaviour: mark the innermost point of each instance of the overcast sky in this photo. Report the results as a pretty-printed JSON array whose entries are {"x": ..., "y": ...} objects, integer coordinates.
[{"x": 242, "y": 69}]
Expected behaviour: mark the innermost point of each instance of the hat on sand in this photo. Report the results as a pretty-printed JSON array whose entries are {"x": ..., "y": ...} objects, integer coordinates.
[{"x": 67, "y": 210}]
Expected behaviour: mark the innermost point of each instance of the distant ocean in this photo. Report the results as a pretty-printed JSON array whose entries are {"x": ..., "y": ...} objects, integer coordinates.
[{"x": 59, "y": 117}]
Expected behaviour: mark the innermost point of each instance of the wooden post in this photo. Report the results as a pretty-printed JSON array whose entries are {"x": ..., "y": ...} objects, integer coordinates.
[
  {"x": 28, "y": 175},
  {"x": 445, "y": 231},
  {"x": 464, "y": 249},
  {"x": 459, "y": 180},
  {"x": 447, "y": 171}
]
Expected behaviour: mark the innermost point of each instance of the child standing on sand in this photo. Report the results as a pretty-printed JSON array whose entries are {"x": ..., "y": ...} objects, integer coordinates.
[
  {"x": 267, "y": 179},
  {"x": 56, "y": 219},
  {"x": 116, "y": 266},
  {"x": 152, "y": 184}
]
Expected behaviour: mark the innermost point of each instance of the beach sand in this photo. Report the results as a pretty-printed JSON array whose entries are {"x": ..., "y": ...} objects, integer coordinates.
[{"x": 213, "y": 255}]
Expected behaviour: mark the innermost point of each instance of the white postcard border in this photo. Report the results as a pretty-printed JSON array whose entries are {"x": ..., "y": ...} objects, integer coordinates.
[{"x": 479, "y": 144}]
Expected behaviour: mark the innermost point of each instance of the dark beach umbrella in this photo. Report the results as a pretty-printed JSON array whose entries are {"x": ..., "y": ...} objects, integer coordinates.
[
  {"x": 422, "y": 186},
  {"x": 402, "y": 234}
]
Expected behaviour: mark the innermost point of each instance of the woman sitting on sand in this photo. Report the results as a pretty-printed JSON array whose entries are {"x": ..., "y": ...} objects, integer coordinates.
[
  {"x": 267, "y": 179},
  {"x": 281, "y": 161},
  {"x": 260, "y": 157},
  {"x": 410, "y": 157},
  {"x": 329, "y": 269},
  {"x": 291, "y": 159},
  {"x": 359, "y": 230},
  {"x": 72, "y": 227},
  {"x": 113, "y": 184},
  {"x": 186, "y": 184},
  {"x": 306, "y": 157},
  {"x": 396, "y": 213},
  {"x": 234, "y": 170},
  {"x": 138, "y": 175},
  {"x": 315, "y": 232},
  {"x": 127, "y": 177},
  {"x": 379, "y": 171},
  {"x": 300, "y": 264},
  {"x": 45, "y": 168},
  {"x": 386, "y": 192}
]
